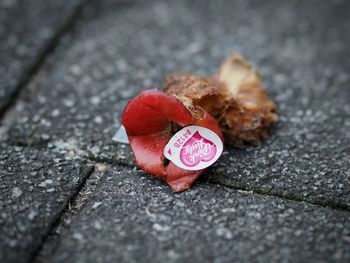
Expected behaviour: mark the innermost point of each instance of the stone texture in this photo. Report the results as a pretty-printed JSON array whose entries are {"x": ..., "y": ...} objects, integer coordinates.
[
  {"x": 35, "y": 187},
  {"x": 132, "y": 217},
  {"x": 116, "y": 51},
  {"x": 26, "y": 31}
]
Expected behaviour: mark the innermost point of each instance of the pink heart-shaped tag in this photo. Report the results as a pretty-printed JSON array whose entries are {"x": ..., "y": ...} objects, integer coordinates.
[
  {"x": 197, "y": 149},
  {"x": 193, "y": 148}
]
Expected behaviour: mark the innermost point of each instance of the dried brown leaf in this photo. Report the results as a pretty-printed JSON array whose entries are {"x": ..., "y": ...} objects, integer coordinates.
[
  {"x": 235, "y": 96},
  {"x": 194, "y": 90},
  {"x": 250, "y": 111}
]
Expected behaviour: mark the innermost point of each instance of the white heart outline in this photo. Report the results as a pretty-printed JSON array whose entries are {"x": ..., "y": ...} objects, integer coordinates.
[{"x": 204, "y": 132}]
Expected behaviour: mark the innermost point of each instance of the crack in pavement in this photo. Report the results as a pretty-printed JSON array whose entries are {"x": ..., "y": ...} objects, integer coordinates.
[
  {"x": 242, "y": 187},
  {"x": 88, "y": 185},
  {"x": 73, "y": 208},
  {"x": 86, "y": 172},
  {"x": 35, "y": 67},
  {"x": 90, "y": 158},
  {"x": 279, "y": 194}
]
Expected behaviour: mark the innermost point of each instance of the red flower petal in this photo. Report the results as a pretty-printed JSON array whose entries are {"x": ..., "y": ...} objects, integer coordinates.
[
  {"x": 148, "y": 151},
  {"x": 148, "y": 121},
  {"x": 153, "y": 111}
]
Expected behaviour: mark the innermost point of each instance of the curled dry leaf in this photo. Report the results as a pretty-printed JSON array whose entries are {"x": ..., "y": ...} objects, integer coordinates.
[{"x": 234, "y": 96}]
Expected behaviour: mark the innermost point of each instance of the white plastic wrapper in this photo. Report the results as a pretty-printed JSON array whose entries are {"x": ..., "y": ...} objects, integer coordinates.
[{"x": 121, "y": 136}]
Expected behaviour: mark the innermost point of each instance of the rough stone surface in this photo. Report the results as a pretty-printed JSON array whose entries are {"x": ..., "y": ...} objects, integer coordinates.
[
  {"x": 116, "y": 51},
  {"x": 70, "y": 111},
  {"x": 26, "y": 29},
  {"x": 132, "y": 217},
  {"x": 35, "y": 187}
]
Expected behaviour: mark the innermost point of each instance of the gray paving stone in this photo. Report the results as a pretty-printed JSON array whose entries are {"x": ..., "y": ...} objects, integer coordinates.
[
  {"x": 132, "y": 217},
  {"x": 35, "y": 187},
  {"x": 26, "y": 29},
  {"x": 301, "y": 48}
]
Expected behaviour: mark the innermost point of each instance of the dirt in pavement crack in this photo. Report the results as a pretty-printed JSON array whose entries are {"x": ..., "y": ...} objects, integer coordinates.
[
  {"x": 325, "y": 203},
  {"x": 75, "y": 204}
]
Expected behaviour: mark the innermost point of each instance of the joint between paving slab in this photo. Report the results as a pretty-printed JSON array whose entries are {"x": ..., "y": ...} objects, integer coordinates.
[
  {"x": 91, "y": 159},
  {"x": 37, "y": 145},
  {"x": 280, "y": 194},
  {"x": 259, "y": 191},
  {"x": 95, "y": 167},
  {"x": 33, "y": 69},
  {"x": 87, "y": 171},
  {"x": 111, "y": 162}
]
